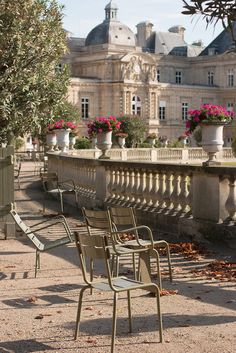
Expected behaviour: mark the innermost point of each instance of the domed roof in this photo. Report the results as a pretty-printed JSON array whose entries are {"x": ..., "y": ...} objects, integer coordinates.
[{"x": 111, "y": 31}]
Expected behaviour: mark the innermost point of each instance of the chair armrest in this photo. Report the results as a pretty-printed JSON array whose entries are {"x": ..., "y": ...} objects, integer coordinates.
[
  {"x": 116, "y": 233},
  {"x": 69, "y": 181},
  {"x": 65, "y": 225}
]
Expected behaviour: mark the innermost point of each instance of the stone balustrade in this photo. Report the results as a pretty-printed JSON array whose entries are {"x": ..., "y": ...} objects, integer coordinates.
[
  {"x": 177, "y": 197},
  {"x": 185, "y": 155}
]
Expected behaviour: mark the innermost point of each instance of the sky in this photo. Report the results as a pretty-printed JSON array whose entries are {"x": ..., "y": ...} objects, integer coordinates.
[{"x": 81, "y": 16}]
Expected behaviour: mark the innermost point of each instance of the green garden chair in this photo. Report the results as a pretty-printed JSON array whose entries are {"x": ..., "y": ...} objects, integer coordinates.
[
  {"x": 95, "y": 247},
  {"x": 124, "y": 217}
]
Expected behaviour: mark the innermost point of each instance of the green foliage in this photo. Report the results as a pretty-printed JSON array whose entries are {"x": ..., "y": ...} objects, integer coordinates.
[
  {"x": 135, "y": 127},
  {"x": 176, "y": 144},
  {"x": 32, "y": 43},
  {"x": 144, "y": 145},
  {"x": 67, "y": 111},
  {"x": 213, "y": 11},
  {"x": 82, "y": 144},
  {"x": 18, "y": 143}
]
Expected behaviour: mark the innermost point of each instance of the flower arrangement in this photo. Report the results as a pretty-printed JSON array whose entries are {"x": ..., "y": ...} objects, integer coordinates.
[
  {"x": 61, "y": 124},
  {"x": 207, "y": 113},
  {"x": 102, "y": 124}
]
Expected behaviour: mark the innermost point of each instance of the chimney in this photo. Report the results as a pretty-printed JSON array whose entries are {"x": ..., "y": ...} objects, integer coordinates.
[
  {"x": 144, "y": 31},
  {"x": 177, "y": 29}
]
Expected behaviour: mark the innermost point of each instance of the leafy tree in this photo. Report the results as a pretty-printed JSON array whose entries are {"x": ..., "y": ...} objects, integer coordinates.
[
  {"x": 32, "y": 83},
  {"x": 213, "y": 11},
  {"x": 135, "y": 127}
]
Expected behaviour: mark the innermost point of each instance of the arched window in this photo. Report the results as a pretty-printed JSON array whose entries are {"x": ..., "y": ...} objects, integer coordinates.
[{"x": 136, "y": 105}]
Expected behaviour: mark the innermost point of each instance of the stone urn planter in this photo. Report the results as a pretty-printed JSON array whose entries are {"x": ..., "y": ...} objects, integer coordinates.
[
  {"x": 121, "y": 141},
  {"x": 51, "y": 141},
  {"x": 212, "y": 140},
  {"x": 94, "y": 142},
  {"x": 72, "y": 140},
  {"x": 104, "y": 143},
  {"x": 63, "y": 139}
]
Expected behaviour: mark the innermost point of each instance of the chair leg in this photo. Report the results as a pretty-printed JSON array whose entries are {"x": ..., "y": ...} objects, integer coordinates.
[
  {"x": 37, "y": 263},
  {"x": 79, "y": 311},
  {"x": 129, "y": 311},
  {"x": 117, "y": 266},
  {"x": 155, "y": 254},
  {"x": 134, "y": 266},
  {"x": 159, "y": 314},
  {"x": 91, "y": 275},
  {"x": 169, "y": 261},
  {"x": 19, "y": 183},
  {"x": 114, "y": 322},
  {"x": 61, "y": 202},
  {"x": 76, "y": 199}
]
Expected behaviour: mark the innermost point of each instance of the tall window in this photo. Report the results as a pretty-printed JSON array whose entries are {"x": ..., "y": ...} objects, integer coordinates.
[
  {"x": 136, "y": 105},
  {"x": 162, "y": 110},
  {"x": 230, "y": 106},
  {"x": 230, "y": 78},
  {"x": 158, "y": 75},
  {"x": 184, "y": 111},
  {"x": 210, "y": 78},
  {"x": 84, "y": 108},
  {"x": 178, "y": 77}
]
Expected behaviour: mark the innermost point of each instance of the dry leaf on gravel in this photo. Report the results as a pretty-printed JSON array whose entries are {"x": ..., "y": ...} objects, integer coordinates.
[
  {"x": 189, "y": 250},
  {"x": 168, "y": 292},
  {"x": 32, "y": 299},
  {"x": 221, "y": 270}
]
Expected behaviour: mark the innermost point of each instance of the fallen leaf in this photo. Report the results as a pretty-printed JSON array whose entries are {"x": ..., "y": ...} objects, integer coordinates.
[
  {"x": 32, "y": 299},
  {"x": 168, "y": 292},
  {"x": 88, "y": 308}
]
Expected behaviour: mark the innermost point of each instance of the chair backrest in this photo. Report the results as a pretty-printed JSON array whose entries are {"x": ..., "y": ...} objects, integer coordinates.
[
  {"x": 97, "y": 219},
  {"x": 122, "y": 217},
  {"x": 49, "y": 180},
  {"x": 93, "y": 247},
  {"x": 27, "y": 231}
]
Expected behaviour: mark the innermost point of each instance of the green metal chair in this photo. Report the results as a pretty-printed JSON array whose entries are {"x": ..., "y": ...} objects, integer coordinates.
[
  {"x": 52, "y": 186},
  {"x": 99, "y": 222},
  {"x": 37, "y": 234},
  {"x": 17, "y": 170},
  {"x": 123, "y": 217},
  {"x": 96, "y": 247}
]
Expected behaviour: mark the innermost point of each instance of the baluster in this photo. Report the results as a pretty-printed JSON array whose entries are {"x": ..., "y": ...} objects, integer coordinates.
[
  {"x": 168, "y": 191},
  {"x": 142, "y": 188},
  {"x": 189, "y": 198},
  {"x": 136, "y": 187},
  {"x": 111, "y": 184},
  {"x": 230, "y": 204},
  {"x": 176, "y": 193},
  {"x": 126, "y": 185},
  {"x": 183, "y": 193},
  {"x": 131, "y": 187},
  {"x": 148, "y": 189},
  {"x": 116, "y": 183},
  {"x": 155, "y": 188},
  {"x": 122, "y": 186},
  {"x": 161, "y": 191}
]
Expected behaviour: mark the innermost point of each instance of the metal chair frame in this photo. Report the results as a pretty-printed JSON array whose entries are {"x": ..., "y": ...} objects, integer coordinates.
[
  {"x": 122, "y": 217},
  {"x": 40, "y": 244},
  {"x": 96, "y": 247},
  {"x": 52, "y": 186}
]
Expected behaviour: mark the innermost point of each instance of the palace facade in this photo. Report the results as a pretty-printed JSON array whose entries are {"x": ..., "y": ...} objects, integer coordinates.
[{"x": 156, "y": 75}]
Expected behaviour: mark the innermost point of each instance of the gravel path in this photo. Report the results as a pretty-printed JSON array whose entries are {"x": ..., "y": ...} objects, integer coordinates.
[{"x": 38, "y": 315}]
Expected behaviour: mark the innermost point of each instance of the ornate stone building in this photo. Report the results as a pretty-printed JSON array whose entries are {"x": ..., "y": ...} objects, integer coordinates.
[{"x": 156, "y": 75}]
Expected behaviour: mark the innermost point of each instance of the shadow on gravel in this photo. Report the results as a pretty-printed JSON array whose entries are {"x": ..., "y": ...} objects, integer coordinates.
[{"x": 23, "y": 346}]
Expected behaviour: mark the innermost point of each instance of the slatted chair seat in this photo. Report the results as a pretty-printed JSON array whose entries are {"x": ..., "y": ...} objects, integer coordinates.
[{"x": 34, "y": 233}]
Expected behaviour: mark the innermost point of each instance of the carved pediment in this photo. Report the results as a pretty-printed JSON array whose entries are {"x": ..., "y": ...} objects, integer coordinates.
[{"x": 136, "y": 68}]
